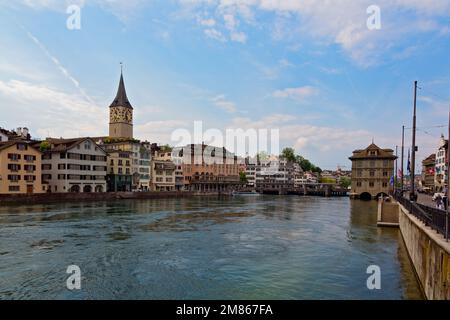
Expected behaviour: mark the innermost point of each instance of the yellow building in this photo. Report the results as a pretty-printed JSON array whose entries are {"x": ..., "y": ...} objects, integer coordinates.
[
  {"x": 372, "y": 169},
  {"x": 119, "y": 176},
  {"x": 20, "y": 168}
]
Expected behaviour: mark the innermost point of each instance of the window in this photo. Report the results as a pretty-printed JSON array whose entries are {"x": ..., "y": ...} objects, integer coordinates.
[
  {"x": 30, "y": 178},
  {"x": 30, "y": 168},
  {"x": 62, "y": 166},
  {"x": 29, "y": 158},
  {"x": 13, "y": 167},
  {"x": 385, "y": 184},
  {"x": 13, "y": 156},
  {"x": 62, "y": 155},
  {"x": 14, "y": 177},
  {"x": 371, "y": 184},
  {"x": 385, "y": 174},
  {"x": 372, "y": 173},
  {"x": 46, "y": 167},
  {"x": 21, "y": 146},
  {"x": 61, "y": 177},
  {"x": 358, "y": 184},
  {"x": 14, "y": 188}
]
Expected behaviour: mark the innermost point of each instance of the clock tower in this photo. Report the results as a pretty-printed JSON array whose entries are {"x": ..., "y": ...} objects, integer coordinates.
[{"x": 121, "y": 114}]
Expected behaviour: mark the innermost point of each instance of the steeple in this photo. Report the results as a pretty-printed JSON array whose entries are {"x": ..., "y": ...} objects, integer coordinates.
[{"x": 121, "y": 99}]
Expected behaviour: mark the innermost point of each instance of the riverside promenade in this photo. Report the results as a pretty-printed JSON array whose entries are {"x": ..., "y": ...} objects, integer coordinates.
[{"x": 425, "y": 232}]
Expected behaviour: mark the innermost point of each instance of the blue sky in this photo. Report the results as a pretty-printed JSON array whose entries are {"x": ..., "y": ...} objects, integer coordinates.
[{"x": 311, "y": 69}]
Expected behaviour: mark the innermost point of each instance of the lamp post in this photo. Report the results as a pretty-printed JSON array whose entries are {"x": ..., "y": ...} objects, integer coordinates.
[{"x": 412, "y": 194}]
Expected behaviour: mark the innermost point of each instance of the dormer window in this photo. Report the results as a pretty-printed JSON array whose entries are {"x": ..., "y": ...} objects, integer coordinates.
[{"x": 372, "y": 153}]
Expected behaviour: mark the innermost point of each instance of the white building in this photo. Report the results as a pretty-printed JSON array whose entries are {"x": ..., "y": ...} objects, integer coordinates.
[
  {"x": 145, "y": 158},
  {"x": 74, "y": 165},
  {"x": 440, "y": 175},
  {"x": 3, "y": 135}
]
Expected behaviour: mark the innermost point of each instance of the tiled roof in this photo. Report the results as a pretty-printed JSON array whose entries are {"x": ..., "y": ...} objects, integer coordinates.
[
  {"x": 381, "y": 153},
  {"x": 7, "y": 144}
]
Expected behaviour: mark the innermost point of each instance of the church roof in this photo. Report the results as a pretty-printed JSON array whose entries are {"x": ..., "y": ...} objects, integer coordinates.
[{"x": 121, "y": 99}]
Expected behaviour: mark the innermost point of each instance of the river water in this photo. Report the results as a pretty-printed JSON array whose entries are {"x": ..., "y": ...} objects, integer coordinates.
[{"x": 243, "y": 247}]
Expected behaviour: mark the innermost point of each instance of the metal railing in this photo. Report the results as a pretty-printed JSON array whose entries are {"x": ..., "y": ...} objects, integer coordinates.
[{"x": 436, "y": 219}]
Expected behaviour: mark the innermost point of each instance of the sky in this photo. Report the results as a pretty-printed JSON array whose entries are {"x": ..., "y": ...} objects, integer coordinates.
[{"x": 312, "y": 69}]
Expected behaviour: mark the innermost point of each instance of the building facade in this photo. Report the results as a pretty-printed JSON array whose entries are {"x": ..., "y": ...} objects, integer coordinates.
[
  {"x": 73, "y": 165},
  {"x": 119, "y": 177},
  {"x": 428, "y": 171},
  {"x": 372, "y": 170},
  {"x": 207, "y": 168},
  {"x": 440, "y": 174},
  {"x": 20, "y": 168}
]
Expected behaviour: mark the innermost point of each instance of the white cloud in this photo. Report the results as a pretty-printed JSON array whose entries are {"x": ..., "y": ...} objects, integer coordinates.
[
  {"x": 221, "y": 102},
  {"x": 340, "y": 22},
  {"x": 300, "y": 93},
  {"x": 50, "y": 111},
  {"x": 215, "y": 34}
]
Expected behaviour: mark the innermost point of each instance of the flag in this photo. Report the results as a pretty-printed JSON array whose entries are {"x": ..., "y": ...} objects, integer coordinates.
[
  {"x": 400, "y": 173},
  {"x": 392, "y": 180},
  {"x": 409, "y": 164}
]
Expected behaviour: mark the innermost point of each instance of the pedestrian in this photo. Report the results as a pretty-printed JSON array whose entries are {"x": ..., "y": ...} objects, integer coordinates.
[{"x": 439, "y": 202}]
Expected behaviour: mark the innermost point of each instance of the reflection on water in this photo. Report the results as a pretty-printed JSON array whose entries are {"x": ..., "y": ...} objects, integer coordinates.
[{"x": 268, "y": 247}]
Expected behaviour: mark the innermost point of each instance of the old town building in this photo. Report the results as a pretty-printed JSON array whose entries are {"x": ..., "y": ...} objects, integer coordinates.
[
  {"x": 119, "y": 177},
  {"x": 372, "y": 169},
  {"x": 20, "y": 168},
  {"x": 208, "y": 168},
  {"x": 440, "y": 174},
  {"x": 428, "y": 169},
  {"x": 73, "y": 165}
]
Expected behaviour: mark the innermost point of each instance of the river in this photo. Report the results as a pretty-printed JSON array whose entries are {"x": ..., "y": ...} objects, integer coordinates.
[{"x": 242, "y": 247}]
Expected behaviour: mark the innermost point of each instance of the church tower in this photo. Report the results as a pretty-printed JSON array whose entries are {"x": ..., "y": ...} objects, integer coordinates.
[{"x": 121, "y": 114}]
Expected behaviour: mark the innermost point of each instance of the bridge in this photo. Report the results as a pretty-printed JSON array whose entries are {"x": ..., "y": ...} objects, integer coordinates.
[{"x": 307, "y": 189}]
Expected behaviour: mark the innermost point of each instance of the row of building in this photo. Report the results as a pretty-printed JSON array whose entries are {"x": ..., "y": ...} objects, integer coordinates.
[
  {"x": 435, "y": 169},
  {"x": 113, "y": 163},
  {"x": 120, "y": 163}
]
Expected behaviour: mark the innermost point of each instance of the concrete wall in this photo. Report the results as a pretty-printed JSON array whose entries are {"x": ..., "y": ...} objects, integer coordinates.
[
  {"x": 430, "y": 255},
  {"x": 105, "y": 196},
  {"x": 388, "y": 213}
]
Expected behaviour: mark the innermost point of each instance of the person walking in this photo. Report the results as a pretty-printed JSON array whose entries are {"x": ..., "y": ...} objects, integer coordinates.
[{"x": 439, "y": 202}]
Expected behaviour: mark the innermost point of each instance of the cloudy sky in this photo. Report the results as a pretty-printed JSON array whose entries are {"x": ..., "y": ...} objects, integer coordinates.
[{"x": 312, "y": 69}]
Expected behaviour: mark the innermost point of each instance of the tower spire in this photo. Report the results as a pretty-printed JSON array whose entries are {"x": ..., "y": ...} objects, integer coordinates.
[{"x": 121, "y": 99}]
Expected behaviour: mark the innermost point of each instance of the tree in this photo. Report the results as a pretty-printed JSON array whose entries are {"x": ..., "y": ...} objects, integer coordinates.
[
  {"x": 44, "y": 146},
  {"x": 243, "y": 177},
  {"x": 345, "y": 182},
  {"x": 289, "y": 154}
]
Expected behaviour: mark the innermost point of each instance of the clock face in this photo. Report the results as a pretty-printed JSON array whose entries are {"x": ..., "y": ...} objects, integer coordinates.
[
  {"x": 121, "y": 115},
  {"x": 128, "y": 116}
]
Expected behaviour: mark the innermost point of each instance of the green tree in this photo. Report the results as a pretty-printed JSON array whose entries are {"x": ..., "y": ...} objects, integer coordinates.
[
  {"x": 289, "y": 154},
  {"x": 345, "y": 182},
  {"x": 243, "y": 177},
  {"x": 44, "y": 146}
]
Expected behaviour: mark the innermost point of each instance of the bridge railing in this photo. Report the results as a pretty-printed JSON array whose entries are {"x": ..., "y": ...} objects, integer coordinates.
[{"x": 434, "y": 218}]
